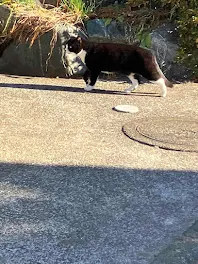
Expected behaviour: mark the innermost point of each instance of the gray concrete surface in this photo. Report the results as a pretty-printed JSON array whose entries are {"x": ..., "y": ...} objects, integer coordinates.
[{"x": 75, "y": 189}]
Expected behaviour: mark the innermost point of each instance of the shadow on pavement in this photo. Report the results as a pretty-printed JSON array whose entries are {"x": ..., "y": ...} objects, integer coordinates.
[
  {"x": 71, "y": 89},
  {"x": 67, "y": 214}
]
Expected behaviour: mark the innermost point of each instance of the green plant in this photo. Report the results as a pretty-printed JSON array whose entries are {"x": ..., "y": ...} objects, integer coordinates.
[
  {"x": 188, "y": 32},
  {"x": 92, "y": 5},
  {"x": 185, "y": 14},
  {"x": 76, "y": 6},
  {"x": 145, "y": 38}
]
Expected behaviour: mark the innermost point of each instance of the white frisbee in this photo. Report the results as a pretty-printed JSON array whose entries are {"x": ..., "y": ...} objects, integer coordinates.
[{"x": 126, "y": 108}]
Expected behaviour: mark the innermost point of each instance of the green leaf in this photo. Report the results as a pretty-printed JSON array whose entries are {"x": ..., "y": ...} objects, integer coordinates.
[
  {"x": 107, "y": 21},
  {"x": 120, "y": 19},
  {"x": 148, "y": 40}
]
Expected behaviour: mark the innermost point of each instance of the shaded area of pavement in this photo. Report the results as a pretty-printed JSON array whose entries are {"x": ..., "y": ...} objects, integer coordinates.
[
  {"x": 68, "y": 89},
  {"x": 68, "y": 214},
  {"x": 183, "y": 250},
  {"x": 55, "y": 88}
]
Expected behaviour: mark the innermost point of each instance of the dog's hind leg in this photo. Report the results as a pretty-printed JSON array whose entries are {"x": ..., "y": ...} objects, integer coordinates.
[{"x": 134, "y": 82}]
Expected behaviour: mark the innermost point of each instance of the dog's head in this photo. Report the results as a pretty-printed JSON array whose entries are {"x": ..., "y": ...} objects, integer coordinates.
[{"x": 74, "y": 44}]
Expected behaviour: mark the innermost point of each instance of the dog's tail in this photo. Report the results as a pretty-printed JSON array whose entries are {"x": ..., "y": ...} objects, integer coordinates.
[{"x": 167, "y": 82}]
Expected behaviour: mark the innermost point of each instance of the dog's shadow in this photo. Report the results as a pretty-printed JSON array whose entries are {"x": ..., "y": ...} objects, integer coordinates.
[{"x": 71, "y": 89}]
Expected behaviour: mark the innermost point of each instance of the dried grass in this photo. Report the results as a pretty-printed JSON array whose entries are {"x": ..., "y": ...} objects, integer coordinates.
[{"x": 32, "y": 22}]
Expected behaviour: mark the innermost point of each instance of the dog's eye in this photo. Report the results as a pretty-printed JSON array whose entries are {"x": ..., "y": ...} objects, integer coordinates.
[{"x": 70, "y": 47}]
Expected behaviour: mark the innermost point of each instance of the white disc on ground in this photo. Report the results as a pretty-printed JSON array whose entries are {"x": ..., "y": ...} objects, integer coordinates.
[{"x": 126, "y": 108}]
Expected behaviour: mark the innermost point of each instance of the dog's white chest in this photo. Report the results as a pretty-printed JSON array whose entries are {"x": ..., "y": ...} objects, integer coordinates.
[{"x": 82, "y": 55}]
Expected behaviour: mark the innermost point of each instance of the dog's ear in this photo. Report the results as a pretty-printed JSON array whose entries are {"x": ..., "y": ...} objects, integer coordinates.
[{"x": 79, "y": 39}]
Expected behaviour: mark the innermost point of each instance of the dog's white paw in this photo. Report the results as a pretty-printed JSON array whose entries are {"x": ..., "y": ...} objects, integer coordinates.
[
  {"x": 130, "y": 89},
  {"x": 163, "y": 94},
  {"x": 88, "y": 88}
]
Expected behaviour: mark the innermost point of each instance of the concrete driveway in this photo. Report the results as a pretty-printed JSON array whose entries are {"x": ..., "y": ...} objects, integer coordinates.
[{"x": 75, "y": 189}]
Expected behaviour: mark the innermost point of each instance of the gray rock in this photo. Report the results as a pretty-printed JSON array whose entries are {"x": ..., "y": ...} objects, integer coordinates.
[
  {"x": 96, "y": 29},
  {"x": 99, "y": 31},
  {"x": 37, "y": 61},
  {"x": 116, "y": 31},
  {"x": 42, "y": 59},
  {"x": 168, "y": 31},
  {"x": 164, "y": 43}
]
